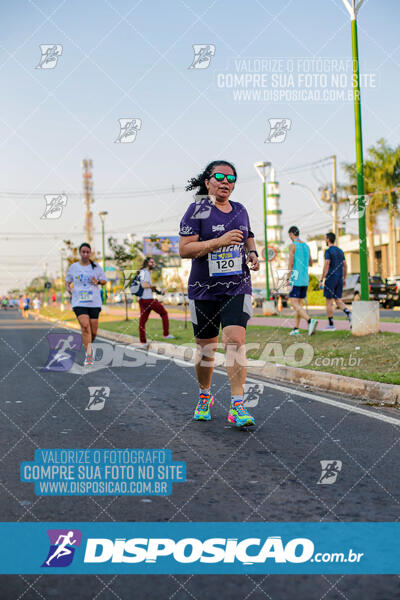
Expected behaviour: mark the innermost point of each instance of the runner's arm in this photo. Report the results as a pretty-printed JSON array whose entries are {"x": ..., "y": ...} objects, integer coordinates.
[
  {"x": 69, "y": 280},
  {"x": 326, "y": 268},
  {"x": 144, "y": 283},
  {"x": 190, "y": 247},
  {"x": 250, "y": 246},
  {"x": 292, "y": 250},
  {"x": 344, "y": 270},
  {"x": 98, "y": 281}
]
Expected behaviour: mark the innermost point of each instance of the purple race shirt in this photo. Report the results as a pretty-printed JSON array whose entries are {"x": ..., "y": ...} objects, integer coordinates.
[{"x": 223, "y": 271}]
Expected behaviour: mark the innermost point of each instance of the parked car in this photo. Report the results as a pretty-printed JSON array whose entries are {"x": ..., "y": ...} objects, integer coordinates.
[
  {"x": 385, "y": 293},
  {"x": 120, "y": 299},
  {"x": 395, "y": 281},
  {"x": 259, "y": 296},
  {"x": 180, "y": 299},
  {"x": 169, "y": 298}
]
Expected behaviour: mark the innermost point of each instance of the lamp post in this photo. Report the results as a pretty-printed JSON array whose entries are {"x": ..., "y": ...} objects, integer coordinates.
[
  {"x": 62, "y": 255},
  {"x": 365, "y": 314},
  {"x": 102, "y": 216},
  {"x": 262, "y": 169},
  {"x": 353, "y": 7}
]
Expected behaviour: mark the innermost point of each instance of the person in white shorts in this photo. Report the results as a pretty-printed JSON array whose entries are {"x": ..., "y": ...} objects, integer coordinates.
[{"x": 36, "y": 307}]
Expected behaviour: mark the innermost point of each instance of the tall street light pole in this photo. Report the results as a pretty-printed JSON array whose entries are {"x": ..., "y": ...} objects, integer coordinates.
[
  {"x": 102, "y": 216},
  {"x": 262, "y": 168},
  {"x": 353, "y": 7}
]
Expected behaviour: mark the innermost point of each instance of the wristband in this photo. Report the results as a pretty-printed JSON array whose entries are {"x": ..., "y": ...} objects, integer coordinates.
[{"x": 255, "y": 252}]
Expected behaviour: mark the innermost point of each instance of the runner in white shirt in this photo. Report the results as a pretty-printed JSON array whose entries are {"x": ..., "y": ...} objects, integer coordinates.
[
  {"x": 86, "y": 275},
  {"x": 36, "y": 307}
]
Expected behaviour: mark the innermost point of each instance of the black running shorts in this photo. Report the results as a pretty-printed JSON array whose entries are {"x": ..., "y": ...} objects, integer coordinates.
[
  {"x": 92, "y": 311},
  {"x": 208, "y": 316}
]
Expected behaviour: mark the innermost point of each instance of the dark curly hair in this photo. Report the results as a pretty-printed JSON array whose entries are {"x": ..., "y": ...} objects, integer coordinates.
[
  {"x": 199, "y": 181},
  {"x": 86, "y": 245}
]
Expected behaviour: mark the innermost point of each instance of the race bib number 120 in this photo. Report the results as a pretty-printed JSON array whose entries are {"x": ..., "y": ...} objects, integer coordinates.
[{"x": 225, "y": 261}]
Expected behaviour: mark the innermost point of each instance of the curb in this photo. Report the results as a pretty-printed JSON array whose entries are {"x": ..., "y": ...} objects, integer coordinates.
[{"x": 372, "y": 392}]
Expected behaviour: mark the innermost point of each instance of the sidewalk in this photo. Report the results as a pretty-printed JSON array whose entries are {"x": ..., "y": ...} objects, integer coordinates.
[
  {"x": 322, "y": 323},
  {"x": 267, "y": 321}
]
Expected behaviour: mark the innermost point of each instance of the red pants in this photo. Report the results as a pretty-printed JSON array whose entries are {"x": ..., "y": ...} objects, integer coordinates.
[{"x": 146, "y": 306}]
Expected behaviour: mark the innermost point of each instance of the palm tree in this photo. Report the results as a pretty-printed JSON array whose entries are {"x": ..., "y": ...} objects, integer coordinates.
[
  {"x": 386, "y": 162},
  {"x": 381, "y": 176}
]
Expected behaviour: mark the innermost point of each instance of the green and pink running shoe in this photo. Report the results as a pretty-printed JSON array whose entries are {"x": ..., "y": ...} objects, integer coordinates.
[
  {"x": 239, "y": 416},
  {"x": 202, "y": 410}
]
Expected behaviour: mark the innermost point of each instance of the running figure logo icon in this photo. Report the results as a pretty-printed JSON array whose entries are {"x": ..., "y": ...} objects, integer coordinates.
[
  {"x": 63, "y": 543},
  {"x": 50, "y": 55},
  {"x": 98, "y": 396},
  {"x": 284, "y": 278},
  {"x": 252, "y": 393},
  {"x": 278, "y": 130},
  {"x": 54, "y": 206},
  {"x": 330, "y": 471},
  {"x": 203, "y": 54},
  {"x": 353, "y": 212},
  {"x": 203, "y": 205},
  {"x": 63, "y": 347},
  {"x": 128, "y": 130}
]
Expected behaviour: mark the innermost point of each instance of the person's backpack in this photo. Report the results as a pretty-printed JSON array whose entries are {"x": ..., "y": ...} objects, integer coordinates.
[{"x": 136, "y": 287}]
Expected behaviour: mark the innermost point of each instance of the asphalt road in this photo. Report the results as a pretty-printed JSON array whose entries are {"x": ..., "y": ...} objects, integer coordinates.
[{"x": 269, "y": 473}]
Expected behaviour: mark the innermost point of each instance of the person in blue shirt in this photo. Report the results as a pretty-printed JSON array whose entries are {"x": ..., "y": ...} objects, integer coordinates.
[
  {"x": 299, "y": 261},
  {"x": 334, "y": 274}
]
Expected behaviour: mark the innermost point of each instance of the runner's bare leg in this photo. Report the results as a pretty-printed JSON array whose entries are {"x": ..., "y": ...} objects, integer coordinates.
[
  {"x": 233, "y": 338},
  {"x": 205, "y": 361}
]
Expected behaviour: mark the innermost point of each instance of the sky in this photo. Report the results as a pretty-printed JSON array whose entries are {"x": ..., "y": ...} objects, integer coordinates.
[{"x": 131, "y": 60}]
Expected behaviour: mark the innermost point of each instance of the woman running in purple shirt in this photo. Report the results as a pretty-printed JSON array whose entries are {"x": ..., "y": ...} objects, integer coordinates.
[{"x": 215, "y": 233}]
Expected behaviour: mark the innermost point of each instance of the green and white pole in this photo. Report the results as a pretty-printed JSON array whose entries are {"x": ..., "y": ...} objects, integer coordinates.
[
  {"x": 102, "y": 215},
  {"x": 262, "y": 168},
  {"x": 353, "y": 9},
  {"x": 267, "y": 291}
]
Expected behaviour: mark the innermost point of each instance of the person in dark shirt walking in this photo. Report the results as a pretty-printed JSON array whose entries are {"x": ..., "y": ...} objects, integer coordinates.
[{"x": 334, "y": 274}]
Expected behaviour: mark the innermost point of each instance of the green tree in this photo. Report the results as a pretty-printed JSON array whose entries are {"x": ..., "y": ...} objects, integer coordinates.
[
  {"x": 381, "y": 176},
  {"x": 128, "y": 257},
  {"x": 36, "y": 286}
]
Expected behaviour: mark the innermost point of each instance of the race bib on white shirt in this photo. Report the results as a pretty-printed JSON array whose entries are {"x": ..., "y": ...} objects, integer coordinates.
[
  {"x": 225, "y": 261},
  {"x": 85, "y": 295}
]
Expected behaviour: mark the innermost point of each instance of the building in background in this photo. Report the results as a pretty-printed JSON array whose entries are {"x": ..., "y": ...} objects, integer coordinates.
[{"x": 274, "y": 227}]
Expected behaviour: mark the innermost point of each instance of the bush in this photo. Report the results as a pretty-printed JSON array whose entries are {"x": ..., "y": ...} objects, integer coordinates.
[
  {"x": 313, "y": 284},
  {"x": 315, "y": 297}
]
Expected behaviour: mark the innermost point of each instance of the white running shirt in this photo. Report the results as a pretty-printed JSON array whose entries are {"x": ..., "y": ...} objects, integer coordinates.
[
  {"x": 85, "y": 293},
  {"x": 144, "y": 275}
]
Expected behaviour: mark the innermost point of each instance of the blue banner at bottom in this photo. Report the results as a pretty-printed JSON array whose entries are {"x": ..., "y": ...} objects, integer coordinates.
[{"x": 209, "y": 548}]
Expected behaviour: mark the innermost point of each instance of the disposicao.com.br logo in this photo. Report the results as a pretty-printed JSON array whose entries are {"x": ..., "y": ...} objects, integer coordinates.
[{"x": 191, "y": 550}]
